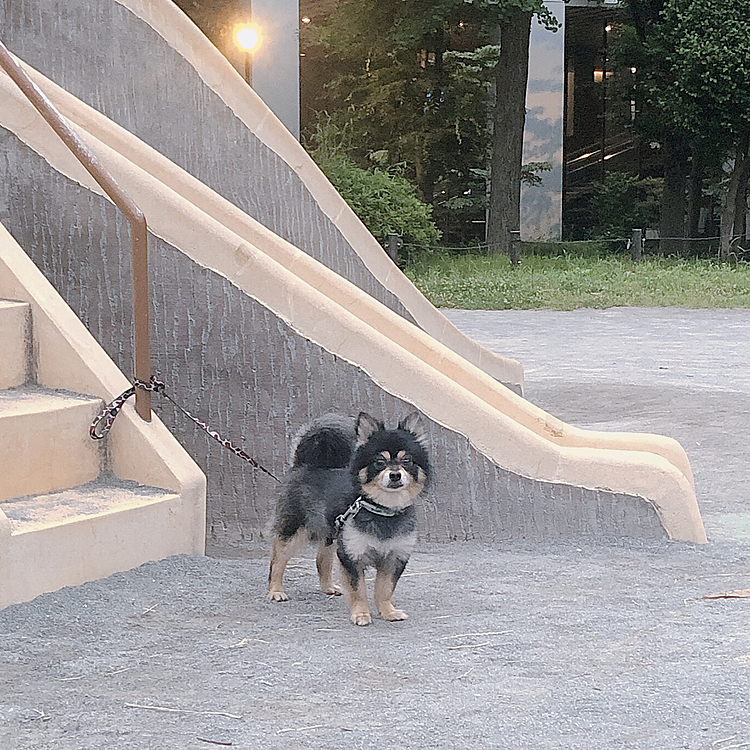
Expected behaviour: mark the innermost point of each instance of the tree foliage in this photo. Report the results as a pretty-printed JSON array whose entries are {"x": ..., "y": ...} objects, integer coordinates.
[
  {"x": 383, "y": 199},
  {"x": 693, "y": 62},
  {"x": 623, "y": 202},
  {"x": 415, "y": 79},
  {"x": 707, "y": 44}
]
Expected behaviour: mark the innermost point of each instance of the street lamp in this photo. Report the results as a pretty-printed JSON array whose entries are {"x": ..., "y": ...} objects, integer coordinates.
[
  {"x": 607, "y": 30},
  {"x": 247, "y": 39}
]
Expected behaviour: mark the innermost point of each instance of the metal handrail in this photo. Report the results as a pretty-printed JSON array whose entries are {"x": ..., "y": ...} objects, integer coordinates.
[{"x": 138, "y": 228}]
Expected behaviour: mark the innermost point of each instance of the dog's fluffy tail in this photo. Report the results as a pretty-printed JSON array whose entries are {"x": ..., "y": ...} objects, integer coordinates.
[{"x": 327, "y": 443}]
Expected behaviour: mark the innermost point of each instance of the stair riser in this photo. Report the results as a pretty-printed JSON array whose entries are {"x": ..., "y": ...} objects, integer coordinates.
[
  {"x": 48, "y": 450},
  {"x": 90, "y": 548},
  {"x": 14, "y": 344}
]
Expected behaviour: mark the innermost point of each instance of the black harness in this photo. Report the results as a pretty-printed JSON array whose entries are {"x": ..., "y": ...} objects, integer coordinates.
[{"x": 359, "y": 504}]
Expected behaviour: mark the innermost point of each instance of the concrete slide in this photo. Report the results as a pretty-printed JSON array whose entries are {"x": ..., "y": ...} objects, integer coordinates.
[{"x": 505, "y": 469}]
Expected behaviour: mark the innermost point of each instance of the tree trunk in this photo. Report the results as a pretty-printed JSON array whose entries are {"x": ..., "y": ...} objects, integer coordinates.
[
  {"x": 672, "y": 223},
  {"x": 738, "y": 178},
  {"x": 740, "y": 211},
  {"x": 695, "y": 195},
  {"x": 509, "y": 117}
]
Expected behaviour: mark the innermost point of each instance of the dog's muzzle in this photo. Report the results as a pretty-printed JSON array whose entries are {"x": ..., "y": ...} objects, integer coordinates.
[{"x": 395, "y": 480}]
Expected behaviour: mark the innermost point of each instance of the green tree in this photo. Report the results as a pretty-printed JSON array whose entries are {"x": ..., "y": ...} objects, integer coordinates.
[
  {"x": 708, "y": 58},
  {"x": 644, "y": 50},
  {"x": 693, "y": 62},
  {"x": 432, "y": 111},
  {"x": 623, "y": 202}
]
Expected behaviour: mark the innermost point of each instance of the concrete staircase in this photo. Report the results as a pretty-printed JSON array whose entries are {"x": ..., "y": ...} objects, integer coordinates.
[{"x": 73, "y": 509}]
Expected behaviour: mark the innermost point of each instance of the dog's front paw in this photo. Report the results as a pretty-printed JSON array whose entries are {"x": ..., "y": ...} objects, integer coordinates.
[
  {"x": 278, "y": 596},
  {"x": 361, "y": 618},
  {"x": 332, "y": 590},
  {"x": 394, "y": 615}
]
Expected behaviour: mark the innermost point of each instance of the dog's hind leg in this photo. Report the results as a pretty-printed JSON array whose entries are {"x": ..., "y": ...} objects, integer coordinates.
[
  {"x": 386, "y": 579},
  {"x": 281, "y": 552},
  {"x": 324, "y": 561}
]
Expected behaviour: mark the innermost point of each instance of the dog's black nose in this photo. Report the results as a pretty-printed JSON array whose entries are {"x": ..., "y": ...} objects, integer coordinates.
[{"x": 395, "y": 476}]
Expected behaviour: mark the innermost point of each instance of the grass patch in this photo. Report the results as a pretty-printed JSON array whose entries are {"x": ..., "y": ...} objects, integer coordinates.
[{"x": 475, "y": 282}]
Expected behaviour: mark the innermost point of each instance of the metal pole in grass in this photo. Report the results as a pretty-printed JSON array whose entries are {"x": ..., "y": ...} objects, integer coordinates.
[
  {"x": 515, "y": 246},
  {"x": 636, "y": 246}
]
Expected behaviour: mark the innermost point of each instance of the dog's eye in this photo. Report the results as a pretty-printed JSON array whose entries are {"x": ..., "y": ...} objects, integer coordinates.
[
  {"x": 406, "y": 461},
  {"x": 379, "y": 464}
]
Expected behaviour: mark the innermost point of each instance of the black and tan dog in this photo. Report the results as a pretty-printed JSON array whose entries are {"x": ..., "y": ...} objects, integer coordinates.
[{"x": 353, "y": 486}]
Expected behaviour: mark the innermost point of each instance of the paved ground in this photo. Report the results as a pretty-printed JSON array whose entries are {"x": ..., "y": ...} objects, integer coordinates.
[{"x": 525, "y": 647}]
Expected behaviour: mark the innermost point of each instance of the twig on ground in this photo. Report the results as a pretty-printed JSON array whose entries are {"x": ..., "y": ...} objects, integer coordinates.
[
  {"x": 300, "y": 729},
  {"x": 165, "y": 709},
  {"x": 429, "y": 573},
  {"x": 735, "y": 594},
  {"x": 245, "y": 641},
  {"x": 469, "y": 645},
  {"x": 214, "y": 742},
  {"x": 726, "y": 739},
  {"x": 118, "y": 671},
  {"x": 150, "y": 609},
  {"x": 716, "y": 743}
]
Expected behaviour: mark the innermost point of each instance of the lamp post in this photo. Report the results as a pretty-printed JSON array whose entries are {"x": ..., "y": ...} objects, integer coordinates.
[
  {"x": 247, "y": 38},
  {"x": 607, "y": 29}
]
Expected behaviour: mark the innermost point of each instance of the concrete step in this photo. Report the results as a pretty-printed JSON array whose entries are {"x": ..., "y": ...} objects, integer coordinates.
[
  {"x": 66, "y": 538},
  {"x": 15, "y": 326},
  {"x": 44, "y": 441}
]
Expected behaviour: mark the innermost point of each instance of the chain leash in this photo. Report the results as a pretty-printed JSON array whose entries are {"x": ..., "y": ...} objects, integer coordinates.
[{"x": 103, "y": 422}]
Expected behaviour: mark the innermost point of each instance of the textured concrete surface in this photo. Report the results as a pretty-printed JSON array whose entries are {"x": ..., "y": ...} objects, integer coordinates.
[{"x": 550, "y": 646}]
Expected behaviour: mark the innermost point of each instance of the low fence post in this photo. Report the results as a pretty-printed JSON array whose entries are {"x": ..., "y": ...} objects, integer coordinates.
[
  {"x": 515, "y": 246},
  {"x": 393, "y": 243},
  {"x": 636, "y": 246}
]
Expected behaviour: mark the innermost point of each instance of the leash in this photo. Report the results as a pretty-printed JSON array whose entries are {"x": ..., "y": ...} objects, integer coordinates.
[
  {"x": 359, "y": 504},
  {"x": 103, "y": 422}
]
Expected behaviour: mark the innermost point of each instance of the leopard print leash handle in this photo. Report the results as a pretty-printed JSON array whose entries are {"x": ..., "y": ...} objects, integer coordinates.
[{"x": 103, "y": 422}]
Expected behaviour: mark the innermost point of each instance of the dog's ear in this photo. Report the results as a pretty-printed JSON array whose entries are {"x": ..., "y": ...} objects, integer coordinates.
[
  {"x": 414, "y": 424},
  {"x": 366, "y": 425}
]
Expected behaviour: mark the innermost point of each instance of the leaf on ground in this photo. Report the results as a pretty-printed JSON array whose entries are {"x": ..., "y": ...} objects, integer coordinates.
[{"x": 735, "y": 594}]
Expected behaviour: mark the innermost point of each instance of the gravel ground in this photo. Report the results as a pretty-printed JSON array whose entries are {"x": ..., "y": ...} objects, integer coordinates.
[{"x": 564, "y": 645}]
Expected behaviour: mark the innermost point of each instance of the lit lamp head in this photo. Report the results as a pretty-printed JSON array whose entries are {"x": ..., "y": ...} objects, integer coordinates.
[{"x": 246, "y": 37}]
